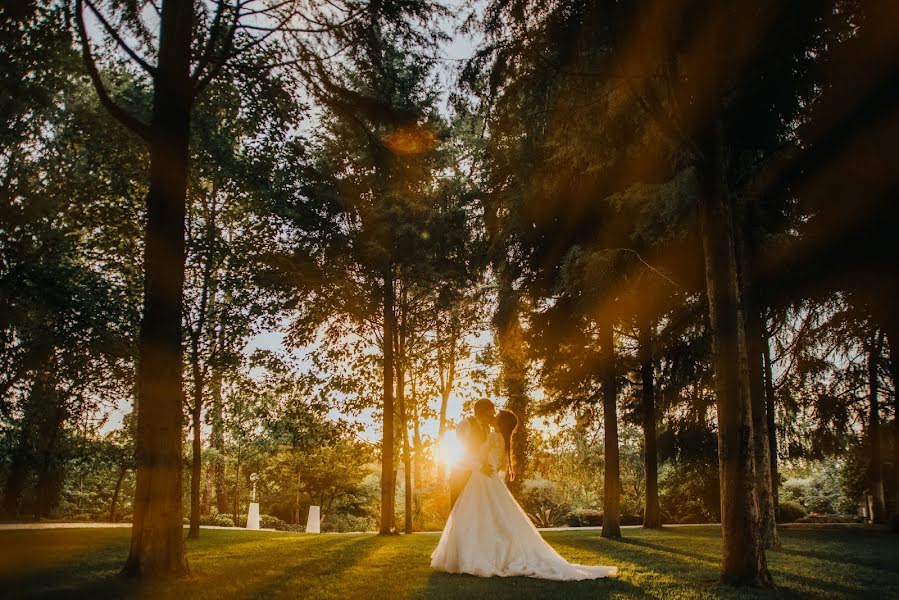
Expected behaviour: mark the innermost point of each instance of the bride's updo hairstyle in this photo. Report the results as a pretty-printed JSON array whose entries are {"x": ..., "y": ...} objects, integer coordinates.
[{"x": 506, "y": 422}]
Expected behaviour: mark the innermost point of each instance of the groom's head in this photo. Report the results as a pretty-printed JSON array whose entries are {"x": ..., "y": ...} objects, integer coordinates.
[{"x": 484, "y": 411}]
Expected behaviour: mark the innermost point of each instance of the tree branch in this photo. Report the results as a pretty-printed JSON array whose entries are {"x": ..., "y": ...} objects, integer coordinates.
[
  {"x": 141, "y": 129},
  {"x": 118, "y": 39}
]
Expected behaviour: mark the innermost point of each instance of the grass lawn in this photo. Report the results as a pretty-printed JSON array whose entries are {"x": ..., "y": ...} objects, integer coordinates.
[{"x": 673, "y": 563}]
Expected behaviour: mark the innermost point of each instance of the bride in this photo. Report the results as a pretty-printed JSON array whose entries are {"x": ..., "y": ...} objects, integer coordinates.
[{"x": 488, "y": 534}]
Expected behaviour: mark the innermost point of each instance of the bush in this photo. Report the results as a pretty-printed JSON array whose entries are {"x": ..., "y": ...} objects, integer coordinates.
[
  {"x": 690, "y": 491},
  {"x": 814, "y": 485},
  {"x": 543, "y": 503},
  {"x": 270, "y": 522},
  {"x": 343, "y": 523},
  {"x": 693, "y": 519},
  {"x": 549, "y": 517},
  {"x": 224, "y": 521},
  {"x": 631, "y": 520},
  {"x": 788, "y": 512},
  {"x": 829, "y": 519},
  {"x": 584, "y": 517}
]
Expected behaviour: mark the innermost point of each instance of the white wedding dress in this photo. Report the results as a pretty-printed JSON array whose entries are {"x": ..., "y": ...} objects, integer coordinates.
[{"x": 488, "y": 534}]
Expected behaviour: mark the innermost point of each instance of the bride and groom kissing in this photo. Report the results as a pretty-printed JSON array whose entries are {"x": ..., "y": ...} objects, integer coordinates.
[{"x": 487, "y": 533}]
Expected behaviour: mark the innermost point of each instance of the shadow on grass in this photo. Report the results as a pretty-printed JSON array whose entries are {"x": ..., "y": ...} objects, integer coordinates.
[
  {"x": 643, "y": 554},
  {"x": 223, "y": 568},
  {"x": 794, "y": 585},
  {"x": 858, "y": 547},
  {"x": 449, "y": 585}
]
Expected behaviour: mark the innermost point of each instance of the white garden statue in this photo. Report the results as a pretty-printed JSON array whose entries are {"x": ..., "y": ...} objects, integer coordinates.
[
  {"x": 253, "y": 514},
  {"x": 313, "y": 523}
]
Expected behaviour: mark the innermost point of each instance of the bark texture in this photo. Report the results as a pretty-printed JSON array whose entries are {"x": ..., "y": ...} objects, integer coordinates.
[
  {"x": 157, "y": 539},
  {"x": 875, "y": 461},
  {"x": 652, "y": 517},
  {"x": 743, "y": 561},
  {"x": 387, "y": 472},
  {"x": 611, "y": 518}
]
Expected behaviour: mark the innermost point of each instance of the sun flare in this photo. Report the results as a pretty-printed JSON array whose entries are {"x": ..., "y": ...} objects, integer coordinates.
[{"x": 449, "y": 452}]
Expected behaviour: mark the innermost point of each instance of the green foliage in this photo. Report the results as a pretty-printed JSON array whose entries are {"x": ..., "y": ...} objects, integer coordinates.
[
  {"x": 689, "y": 493},
  {"x": 789, "y": 511},
  {"x": 584, "y": 517},
  {"x": 270, "y": 522},
  {"x": 543, "y": 503},
  {"x": 223, "y": 521},
  {"x": 343, "y": 523},
  {"x": 854, "y": 482},
  {"x": 816, "y": 487}
]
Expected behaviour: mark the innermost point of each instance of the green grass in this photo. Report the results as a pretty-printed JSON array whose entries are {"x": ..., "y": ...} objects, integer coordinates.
[{"x": 672, "y": 563}]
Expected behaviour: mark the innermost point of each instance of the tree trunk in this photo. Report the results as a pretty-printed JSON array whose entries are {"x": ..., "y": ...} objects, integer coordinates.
[
  {"x": 195, "y": 471},
  {"x": 894, "y": 376},
  {"x": 217, "y": 441},
  {"x": 447, "y": 376},
  {"x": 387, "y": 489},
  {"x": 611, "y": 517},
  {"x": 297, "y": 500},
  {"x": 157, "y": 540},
  {"x": 50, "y": 472},
  {"x": 744, "y": 561},
  {"x": 652, "y": 517},
  {"x": 18, "y": 474},
  {"x": 446, "y": 370},
  {"x": 236, "y": 488},
  {"x": 514, "y": 378},
  {"x": 770, "y": 414},
  {"x": 404, "y": 432},
  {"x": 875, "y": 468},
  {"x": 25, "y": 454},
  {"x": 417, "y": 445},
  {"x": 115, "y": 494},
  {"x": 755, "y": 333},
  {"x": 407, "y": 471}
]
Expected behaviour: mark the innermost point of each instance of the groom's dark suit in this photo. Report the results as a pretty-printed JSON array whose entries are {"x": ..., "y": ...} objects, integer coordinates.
[{"x": 471, "y": 434}]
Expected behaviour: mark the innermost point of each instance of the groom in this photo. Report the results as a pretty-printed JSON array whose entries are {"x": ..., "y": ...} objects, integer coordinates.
[{"x": 471, "y": 432}]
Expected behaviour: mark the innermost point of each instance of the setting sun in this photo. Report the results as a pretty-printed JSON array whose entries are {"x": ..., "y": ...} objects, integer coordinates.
[{"x": 449, "y": 451}]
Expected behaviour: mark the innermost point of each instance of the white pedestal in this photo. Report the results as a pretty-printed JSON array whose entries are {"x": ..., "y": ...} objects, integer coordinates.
[
  {"x": 253, "y": 516},
  {"x": 313, "y": 523}
]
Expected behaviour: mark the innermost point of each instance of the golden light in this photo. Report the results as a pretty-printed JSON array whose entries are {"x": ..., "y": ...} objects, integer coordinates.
[
  {"x": 411, "y": 140},
  {"x": 449, "y": 451}
]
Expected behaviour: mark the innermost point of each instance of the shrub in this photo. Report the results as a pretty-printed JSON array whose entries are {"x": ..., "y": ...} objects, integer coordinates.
[
  {"x": 690, "y": 491},
  {"x": 584, "y": 517},
  {"x": 788, "y": 512},
  {"x": 549, "y": 517},
  {"x": 270, "y": 522},
  {"x": 631, "y": 520},
  {"x": 829, "y": 519},
  {"x": 343, "y": 523},
  {"x": 693, "y": 518},
  {"x": 543, "y": 503},
  {"x": 224, "y": 521}
]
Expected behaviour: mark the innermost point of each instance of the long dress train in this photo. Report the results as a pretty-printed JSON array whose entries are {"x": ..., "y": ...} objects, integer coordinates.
[{"x": 488, "y": 534}]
